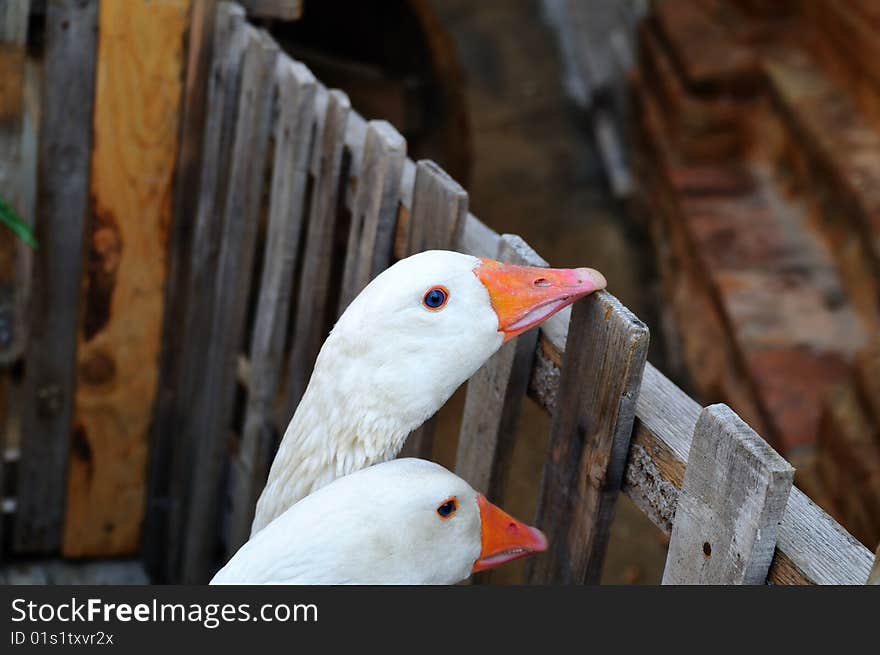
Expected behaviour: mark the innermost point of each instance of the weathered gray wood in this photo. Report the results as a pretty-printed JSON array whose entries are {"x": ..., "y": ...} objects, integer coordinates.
[
  {"x": 735, "y": 491},
  {"x": 194, "y": 110},
  {"x": 280, "y": 9},
  {"x": 229, "y": 40},
  {"x": 439, "y": 211},
  {"x": 312, "y": 311},
  {"x": 494, "y": 397},
  {"x": 293, "y": 132},
  {"x": 215, "y": 396},
  {"x": 874, "y": 575},
  {"x": 374, "y": 210},
  {"x": 589, "y": 438},
  {"x": 62, "y": 206},
  {"x": 15, "y": 255}
]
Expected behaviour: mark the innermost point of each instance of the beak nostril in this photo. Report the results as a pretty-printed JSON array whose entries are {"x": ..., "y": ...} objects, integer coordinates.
[{"x": 541, "y": 282}]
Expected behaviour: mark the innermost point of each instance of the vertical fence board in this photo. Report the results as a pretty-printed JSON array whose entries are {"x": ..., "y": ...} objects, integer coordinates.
[
  {"x": 592, "y": 424},
  {"x": 194, "y": 109},
  {"x": 137, "y": 97},
  {"x": 229, "y": 40},
  {"x": 494, "y": 396},
  {"x": 312, "y": 311},
  {"x": 62, "y": 206},
  {"x": 374, "y": 211},
  {"x": 439, "y": 211},
  {"x": 296, "y": 99},
  {"x": 732, "y": 502},
  {"x": 15, "y": 255},
  {"x": 212, "y": 413}
]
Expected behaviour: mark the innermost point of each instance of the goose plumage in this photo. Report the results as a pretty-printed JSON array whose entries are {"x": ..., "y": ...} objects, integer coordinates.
[{"x": 407, "y": 521}]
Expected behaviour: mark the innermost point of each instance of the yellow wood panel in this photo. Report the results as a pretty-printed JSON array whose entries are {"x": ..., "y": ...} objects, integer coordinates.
[{"x": 138, "y": 91}]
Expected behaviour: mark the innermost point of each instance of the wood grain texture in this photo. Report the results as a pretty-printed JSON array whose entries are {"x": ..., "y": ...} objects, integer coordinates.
[
  {"x": 589, "y": 439},
  {"x": 62, "y": 206},
  {"x": 293, "y": 133},
  {"x": 215, "y": 397},
  {"x": 494, "y": 397},
  {"x": 374, "y": 210},
  {"x": 731, "y": 504},
  {"x": 137, "y": 99},
  {"x": 200, "y": 41},
  {"x": 312, "y": 311},
  {"x": 436, "y": 222},
  {"x": 15, "y": 256},
  {"x": 229, "y": 40}
]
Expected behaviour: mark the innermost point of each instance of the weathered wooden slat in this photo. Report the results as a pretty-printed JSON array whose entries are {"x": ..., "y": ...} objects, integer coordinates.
[
  {"x": 194, "y": 109},
  {"x": 439, "y": 211},
  {"x": 137, "y": 98},
  {"x": 374, "y": 210},
  {"x": 293, "y": 132},
  {"x": 229, "y": 40},
  {"x": 15, "y": 255},
  {"x": 312, "y": 312},
  {"x": 494, "y": 397},
  {"x": 212, "y": 413},
  {"x": 62, "y": 206},
  {"x": 731, "y": 504},
  {"x": 589, "y": 439}
]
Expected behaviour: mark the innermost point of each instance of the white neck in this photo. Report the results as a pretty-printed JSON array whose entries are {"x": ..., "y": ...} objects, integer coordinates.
[{"x": 337, "y": 429}]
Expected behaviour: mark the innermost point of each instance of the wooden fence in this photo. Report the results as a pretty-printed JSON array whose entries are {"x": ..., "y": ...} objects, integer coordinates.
[{"x": 286, "y": 204}]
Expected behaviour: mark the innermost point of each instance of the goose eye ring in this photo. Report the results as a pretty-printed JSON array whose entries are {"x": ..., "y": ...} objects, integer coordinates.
[
  {"x": 447, "y": 508},
  {"x": 435, "y": 298}
]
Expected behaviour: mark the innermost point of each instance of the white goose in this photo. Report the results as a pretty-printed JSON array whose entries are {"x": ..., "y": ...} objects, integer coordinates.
[
  {"x": 407, "y": 521},
  {"x": 405, "y": 343}
]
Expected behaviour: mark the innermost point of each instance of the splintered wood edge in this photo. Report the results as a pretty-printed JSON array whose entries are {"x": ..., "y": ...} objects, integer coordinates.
[{"x": 811, "y": 547}]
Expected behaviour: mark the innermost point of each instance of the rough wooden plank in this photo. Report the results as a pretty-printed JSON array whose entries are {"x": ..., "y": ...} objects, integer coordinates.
[
  {"x": 215, "y": 397},
  {"x": 280, "y": 9},
  {"x": 374, "y": 210},
  {"x": 312, "y": 312},
  {"x": 293, "y": 132},
  {"x": 229, "y": 40},
  {"x": 439, "y": 212},
  {"x": 494, "y": 397},
  {"x": 62, "y": 205},
  {"x": 137, "y": 98},
  {"x": 589, "y": 438},
  {"x": 194, "y": 110},
  {"x": 735, "y": 491},
  {"x": 15, "y": 255}
]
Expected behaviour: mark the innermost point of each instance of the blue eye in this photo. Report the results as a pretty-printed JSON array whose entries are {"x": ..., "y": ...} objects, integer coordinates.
[
  {"x": 435, "y": 298},
  {"x": 447, "y": 508}
]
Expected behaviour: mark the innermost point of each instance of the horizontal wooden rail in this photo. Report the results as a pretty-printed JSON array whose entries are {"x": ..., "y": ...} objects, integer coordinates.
[{"x": 811, "y": 548}]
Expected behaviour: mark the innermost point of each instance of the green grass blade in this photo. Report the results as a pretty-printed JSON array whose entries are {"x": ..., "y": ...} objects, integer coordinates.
[{"x": 10, "y": 219}]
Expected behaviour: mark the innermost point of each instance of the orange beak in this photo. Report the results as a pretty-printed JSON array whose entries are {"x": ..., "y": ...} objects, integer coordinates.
[
  {"x": 523, "y": 296},
  {"x": 503, "y": 538}
]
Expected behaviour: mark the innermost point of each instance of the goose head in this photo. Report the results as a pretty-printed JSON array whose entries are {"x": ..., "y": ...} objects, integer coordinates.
[
  {"x": 427, "y": 323},
  {"x": 406, "y": 521}
]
